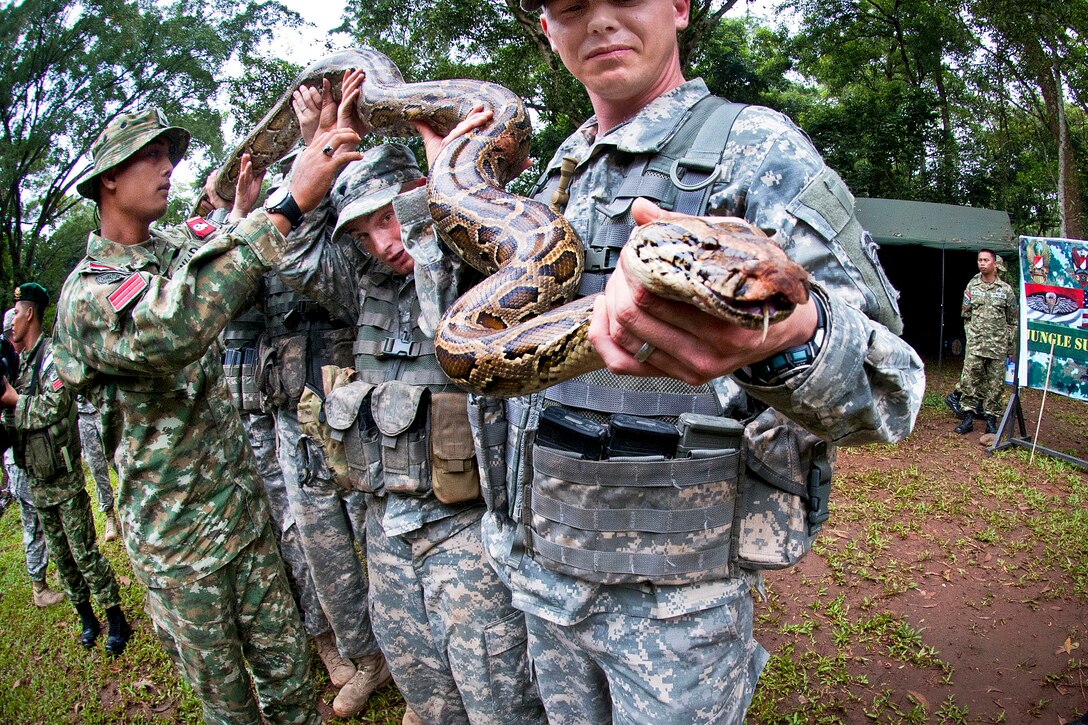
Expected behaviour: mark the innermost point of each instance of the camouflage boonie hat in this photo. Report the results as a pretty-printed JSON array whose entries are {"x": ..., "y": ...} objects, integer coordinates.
[
  {"x": 32, "y": 292},
  {"x": 366, "y": 185},
  {"x": 531, "y": 6},
  {"x": 124, "y": 136}
]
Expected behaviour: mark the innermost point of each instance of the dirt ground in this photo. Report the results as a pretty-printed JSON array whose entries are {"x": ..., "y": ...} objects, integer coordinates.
[{"x": 985, "y": 622}]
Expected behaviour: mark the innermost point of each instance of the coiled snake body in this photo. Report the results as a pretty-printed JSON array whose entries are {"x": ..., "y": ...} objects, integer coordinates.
[{"x": 517, "y": 331}]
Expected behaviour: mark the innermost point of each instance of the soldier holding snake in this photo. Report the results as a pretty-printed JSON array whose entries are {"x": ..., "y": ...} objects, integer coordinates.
[{"x": 635, "y": 613}]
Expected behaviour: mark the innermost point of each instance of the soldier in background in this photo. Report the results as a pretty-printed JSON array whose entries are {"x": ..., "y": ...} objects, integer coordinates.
[
  {"x": 37, "y": 555},
  {"x": 137, "y": 323},
  {"x": 47, "y": 444},
  {"x": 90, "y": 438},
  {"x": 991, "y": 315}
]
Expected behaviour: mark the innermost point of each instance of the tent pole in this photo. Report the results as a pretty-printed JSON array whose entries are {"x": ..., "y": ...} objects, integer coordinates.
[{"x": 940, "y": 334}]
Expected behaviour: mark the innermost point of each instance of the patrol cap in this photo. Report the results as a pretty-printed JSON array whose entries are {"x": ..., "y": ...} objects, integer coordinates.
[
  {"x": 9, "y": 320},
  {"x": 124, "y": 136},
  {"x": 32, "y": 292},
  {"x": 531, "y": 6},
  {"x": 366, "y": 185}
]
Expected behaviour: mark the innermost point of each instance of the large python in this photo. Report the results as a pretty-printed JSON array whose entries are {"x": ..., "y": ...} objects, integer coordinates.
[{"x": 517, "y": 331}]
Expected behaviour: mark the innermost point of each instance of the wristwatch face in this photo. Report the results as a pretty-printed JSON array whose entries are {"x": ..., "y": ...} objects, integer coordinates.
[{"x": 276, "y": 198}]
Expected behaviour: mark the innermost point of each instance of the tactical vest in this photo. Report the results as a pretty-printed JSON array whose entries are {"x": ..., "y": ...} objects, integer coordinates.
[
  {"x": 301, "y": 338},
  {"x": 660, "y": 519},
  {"x": 403, "y": 424},
  {"x": 52, "y": 451},
  {"x": 240, "y": 340}
]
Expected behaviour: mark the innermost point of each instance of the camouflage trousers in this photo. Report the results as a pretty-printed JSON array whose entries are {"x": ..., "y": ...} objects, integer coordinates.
[
  {"x": 454, "y": 643},
  {"x": 37, "y": 558},
  {"x": 981, "y": 383},
  {"x": 83, "y": 570},
  {"x": 330, "y": 522},
  {"x": 261, "y": 429},
  {"x": 236, "y": 630},
  {"x": 90, "y": 438},
  {"x": 695, "y": 668}
]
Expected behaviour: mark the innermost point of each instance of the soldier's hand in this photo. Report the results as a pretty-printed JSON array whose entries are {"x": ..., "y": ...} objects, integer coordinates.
[
  {"x": 319, "y": 163},
  {"x": 247, "y": 189},
  {"x": 433, "y": 143},
  {"x": 306, "y": 102},
  {"x": 216, "y": 201},
  {"x": 10, "y": 397},
  {"x": 347, "y": 115}
]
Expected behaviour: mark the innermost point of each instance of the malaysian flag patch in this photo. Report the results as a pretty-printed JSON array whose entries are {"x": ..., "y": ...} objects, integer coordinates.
[{"x": 129, "y": 290}]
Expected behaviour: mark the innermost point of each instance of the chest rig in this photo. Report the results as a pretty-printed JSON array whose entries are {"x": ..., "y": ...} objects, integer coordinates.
[
  {"x": 633, "y": 519},
  {"x": 52, "y": 451},
  {"x": 303, "y": 338}
]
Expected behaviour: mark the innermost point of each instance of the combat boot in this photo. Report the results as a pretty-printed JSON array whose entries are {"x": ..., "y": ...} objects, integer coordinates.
[
  {"x": 340, "y": 668},
  {"x": 90, "y": 625},
  {"x": 991, "y": 424},
  {"x": 44, "y": 596},
  {"x": 371, "y": 673},
  {"x": 119, "y": 630},
  {"x": 952, "y": 400},
  {"x": 113, "y": 528},
  {"x": 968, "y": 423},
  {"x": 410, "y": 717}
]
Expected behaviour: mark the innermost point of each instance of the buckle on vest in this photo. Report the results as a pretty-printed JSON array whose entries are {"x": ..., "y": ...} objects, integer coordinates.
[
  {"x": 396, "y": 347},
  {"x": 689, "y": 165},
  {"x": 819, "y": 488}
]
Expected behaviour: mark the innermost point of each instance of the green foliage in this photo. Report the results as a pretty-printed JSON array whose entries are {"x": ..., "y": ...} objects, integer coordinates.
[{"x": 74, "y": 66}]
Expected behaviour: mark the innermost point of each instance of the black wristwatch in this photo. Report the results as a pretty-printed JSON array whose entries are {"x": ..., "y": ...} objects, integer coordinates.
[
  {"x": 280, "y": 201},
  {"x": 783, "y": 365}
]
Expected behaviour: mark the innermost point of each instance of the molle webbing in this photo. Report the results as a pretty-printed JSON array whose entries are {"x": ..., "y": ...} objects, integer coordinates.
[{"x": 679, "y": 178}]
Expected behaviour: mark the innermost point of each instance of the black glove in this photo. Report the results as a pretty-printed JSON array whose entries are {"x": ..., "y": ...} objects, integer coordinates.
[{"x": 9, "y": 360}]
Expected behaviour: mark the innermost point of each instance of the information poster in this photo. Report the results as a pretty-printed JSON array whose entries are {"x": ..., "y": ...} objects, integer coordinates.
[{"x": 1053, "y": 285}]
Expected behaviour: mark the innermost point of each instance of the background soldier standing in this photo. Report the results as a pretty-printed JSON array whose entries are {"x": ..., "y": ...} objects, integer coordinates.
[
  {"x": 37, "y": 555},
  {"x": 137, "y": 323},
  {"x": 90, "y": 439},
  {"x": 991, "y": 316},
  {"x": 45, "y": 418}
]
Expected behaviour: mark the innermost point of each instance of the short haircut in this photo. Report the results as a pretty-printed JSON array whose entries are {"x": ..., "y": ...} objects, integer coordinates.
[{"x": 992, "y": 253}]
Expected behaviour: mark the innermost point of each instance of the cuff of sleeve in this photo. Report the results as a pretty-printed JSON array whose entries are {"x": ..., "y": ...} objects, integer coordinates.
[{"x": 258, "y": 233}]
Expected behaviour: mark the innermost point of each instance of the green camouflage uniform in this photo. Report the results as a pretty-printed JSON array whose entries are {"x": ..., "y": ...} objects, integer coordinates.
[
  {"x": 990, "y": 316},
  {"x": 64, "y": 508},
  {"x": 136, "y": 334}
]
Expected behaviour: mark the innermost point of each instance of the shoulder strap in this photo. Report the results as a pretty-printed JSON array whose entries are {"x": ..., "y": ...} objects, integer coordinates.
[{"x": 678, "y": 177}]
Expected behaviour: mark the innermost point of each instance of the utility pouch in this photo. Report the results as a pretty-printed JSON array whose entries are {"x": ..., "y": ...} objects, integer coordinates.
[
  {"x": 455, "y": 477},
  {"x": 54, "y": 450},
  {"x": 704, "y": 435},
  {"x": 267, "y": 373},
  {"x": 400, "y": 413},
  {"x": 347, "y": 411},
  {"x": 487, "y": 419},
  {"x": 291, "y": 353},
  {"x": 781, "y": 509},
  {"x": 323, "y": 455}
]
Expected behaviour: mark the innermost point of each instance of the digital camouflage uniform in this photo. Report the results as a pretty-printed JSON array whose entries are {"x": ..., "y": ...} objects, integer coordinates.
[
  {"x": 90, "y": 439},
  {"x": 674, "y": 648},
  {"x": 136, "y": 334},
  {"x": 453, "y": 642},
  {"x": 240, "y": 343},
  {"x": 37, "y": 556},
  {"x": 303, "y": 337},
  {"x": 990, "y": 316},
  {"x": 60, "y": 496}
]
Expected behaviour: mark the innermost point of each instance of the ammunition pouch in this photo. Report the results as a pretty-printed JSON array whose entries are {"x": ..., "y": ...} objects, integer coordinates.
[
  {"x": 321, "y": 456},
  {"x": 400, "y": 414},
  {"x": 347, "y": 411}
]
